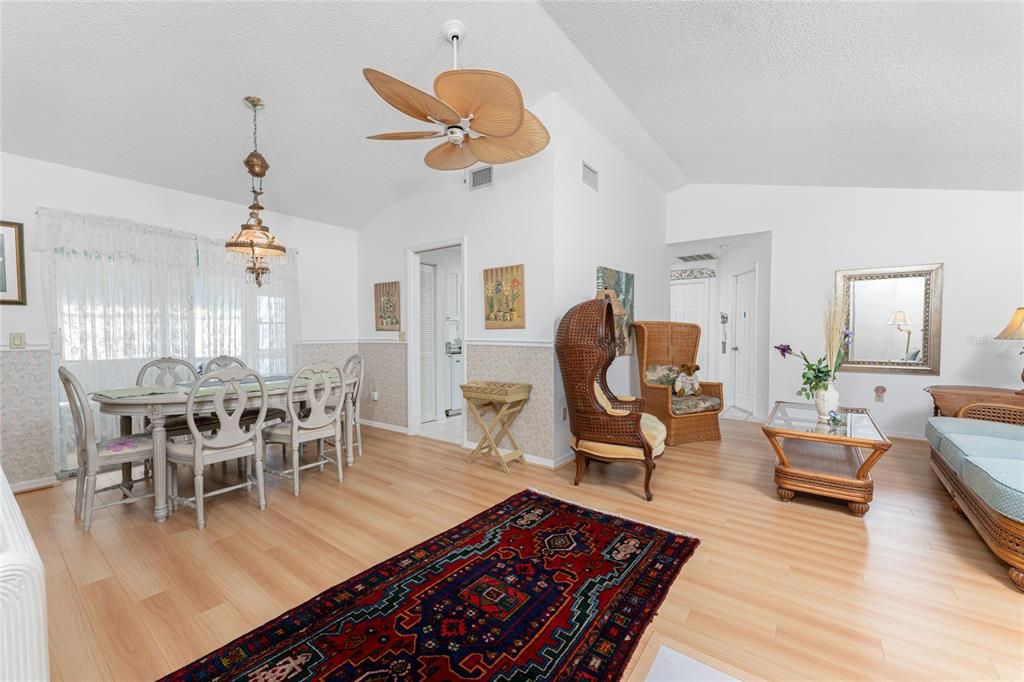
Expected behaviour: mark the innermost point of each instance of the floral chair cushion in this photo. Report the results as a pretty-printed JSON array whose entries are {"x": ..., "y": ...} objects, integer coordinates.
[
  {"x": 663, "y": 375},
  {"x": 136, "y": 443},
  {"x": 690, "y": 404}
]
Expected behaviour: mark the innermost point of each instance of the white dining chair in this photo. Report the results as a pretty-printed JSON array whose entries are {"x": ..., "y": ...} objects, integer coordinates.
[
  {"x": 354, "y": 367},
  {"x": 221, "y": 362},
  {"x": 167, "y": 372},
  {"x": 95, "y": 456},
  {"x": 322, "y": 388},
  {"x": 230, "y": 441}
]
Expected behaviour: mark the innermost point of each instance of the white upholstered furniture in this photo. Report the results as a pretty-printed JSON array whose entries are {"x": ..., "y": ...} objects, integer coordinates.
[
  {"x": 23, "y": 649},
  {"x": 92, "y": 455},
  {"x": 319, "y": 388},
  {"x": 231, "y": 440}
]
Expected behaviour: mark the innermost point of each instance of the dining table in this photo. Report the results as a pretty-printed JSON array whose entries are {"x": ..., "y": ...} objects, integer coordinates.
[{"x": 159, "y": 403}]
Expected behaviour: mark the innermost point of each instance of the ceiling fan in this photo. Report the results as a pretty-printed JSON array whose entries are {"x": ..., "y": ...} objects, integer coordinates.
[{"x": 479, "y": 113}]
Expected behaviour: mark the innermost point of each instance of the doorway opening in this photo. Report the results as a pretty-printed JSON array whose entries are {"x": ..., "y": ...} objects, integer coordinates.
[
  {"x": 438, "y": 331},
  {"x": 723, "y": 285}
]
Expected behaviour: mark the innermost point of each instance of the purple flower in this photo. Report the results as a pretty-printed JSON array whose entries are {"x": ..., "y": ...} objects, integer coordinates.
[{"x": 784, "y": 349}]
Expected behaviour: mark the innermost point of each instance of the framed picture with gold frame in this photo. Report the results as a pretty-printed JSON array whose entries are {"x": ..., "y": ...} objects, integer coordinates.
[
  {"x": 12, "y": 263},
  {"x": 387, "y": 307},
  {"x": 505, "y": 297}
]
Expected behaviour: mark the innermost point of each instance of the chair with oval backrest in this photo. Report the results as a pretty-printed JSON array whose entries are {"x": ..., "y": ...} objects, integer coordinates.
[
  {"x": 231, "y": 389},
  {"x": 221, "y": 362},
  {"x": 167, "y": 372},
  {"x": 354, "y": 367},
  {"x": 93, "y": 456},
  {"x": 604, "y": 426},
  {"x": 321, "y": 386}
]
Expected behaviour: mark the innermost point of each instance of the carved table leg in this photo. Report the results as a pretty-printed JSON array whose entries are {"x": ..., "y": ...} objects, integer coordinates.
[
  {"x": 159, "y": 468},
  {"x": 1017, "y": 576},
  {"x": 785, "y": 495},
  {"x": 126, "y": 468},
  {"x": 858, "y": 508}
]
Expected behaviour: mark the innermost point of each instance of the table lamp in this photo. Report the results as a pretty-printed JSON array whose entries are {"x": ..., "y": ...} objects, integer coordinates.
[
  {"x": 900, "y": 318},
  {"x": 1015, "y": 331}
]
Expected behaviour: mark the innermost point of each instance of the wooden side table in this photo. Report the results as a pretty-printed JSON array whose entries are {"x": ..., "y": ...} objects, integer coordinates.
[
  {"x": 949, "y": 400},
  {"x": 506, "y": 400}
]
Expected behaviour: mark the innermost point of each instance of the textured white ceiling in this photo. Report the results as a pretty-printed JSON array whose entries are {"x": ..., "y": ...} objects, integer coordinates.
[
  {"x": 884, "y": 94},
  {"x": 152, "y": 91}
]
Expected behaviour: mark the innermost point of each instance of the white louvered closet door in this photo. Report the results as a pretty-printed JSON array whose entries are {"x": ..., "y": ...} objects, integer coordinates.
[{"x": 428, "y": 343}]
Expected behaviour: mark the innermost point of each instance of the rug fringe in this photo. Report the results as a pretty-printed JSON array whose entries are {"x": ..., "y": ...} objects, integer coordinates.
[{"x": 620, "y": 516}]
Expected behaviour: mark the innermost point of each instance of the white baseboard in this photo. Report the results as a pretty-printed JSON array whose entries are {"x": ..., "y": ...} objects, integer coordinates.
[
  {"x": 534, "y": 460},
  {"x": 386, "y": 427},
  {"x": 34, "y": 484}
]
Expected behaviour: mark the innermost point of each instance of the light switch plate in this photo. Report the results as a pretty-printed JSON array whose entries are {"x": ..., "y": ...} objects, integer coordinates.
[
  {"x": 401, "y": 336},
  {"x": 17, "y": 340}
]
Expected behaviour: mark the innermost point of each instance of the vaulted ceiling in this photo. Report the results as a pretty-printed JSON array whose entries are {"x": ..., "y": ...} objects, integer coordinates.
[{"x": 877, "y": 94}]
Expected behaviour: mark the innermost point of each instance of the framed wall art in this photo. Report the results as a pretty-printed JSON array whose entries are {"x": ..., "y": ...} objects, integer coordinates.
[
  {"x": 618, "y": 286},
  {"x": 387, "y": 307},
  {"x": 12, "y": 263},
  {"x": 505, "y": 297}
]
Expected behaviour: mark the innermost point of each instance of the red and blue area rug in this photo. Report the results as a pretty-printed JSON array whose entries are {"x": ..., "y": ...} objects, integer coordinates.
[{"x": 534, "y": 588}]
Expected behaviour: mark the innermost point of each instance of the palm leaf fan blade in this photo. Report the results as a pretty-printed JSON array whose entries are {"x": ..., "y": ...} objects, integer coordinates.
[
  {"x": 414, "y": 135},
  {"x": 531, "y": 138},
  {"x": 409, "y": 100},
  {"x": 490, "y": 99},
  {"x": 448, "y": 156}
]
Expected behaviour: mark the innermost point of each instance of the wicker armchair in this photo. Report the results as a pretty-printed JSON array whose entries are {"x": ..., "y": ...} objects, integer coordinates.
[
  {"x": 672, "y": 344},
  {"x": 604, "y": 426}
]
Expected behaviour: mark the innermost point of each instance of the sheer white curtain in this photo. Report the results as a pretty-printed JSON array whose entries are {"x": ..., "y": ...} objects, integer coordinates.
[{"x": 122, "y": 293}]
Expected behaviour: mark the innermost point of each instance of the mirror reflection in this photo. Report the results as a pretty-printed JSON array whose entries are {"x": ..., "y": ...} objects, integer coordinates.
[{"x": 886, "y": 316}]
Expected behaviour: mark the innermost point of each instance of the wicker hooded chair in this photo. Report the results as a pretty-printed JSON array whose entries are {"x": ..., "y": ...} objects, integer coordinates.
[
  {"x": 604, "y": 426},
  {"x": 668, "y": 345}
]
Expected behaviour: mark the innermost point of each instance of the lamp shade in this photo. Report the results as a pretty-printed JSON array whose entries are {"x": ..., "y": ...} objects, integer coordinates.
[
  {"x": 898, "y": 317},
  {"x": 1015, "y": 328}
]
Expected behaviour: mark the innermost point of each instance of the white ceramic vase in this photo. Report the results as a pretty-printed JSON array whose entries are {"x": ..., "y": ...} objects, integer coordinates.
[{"x": 826, "y": 400}]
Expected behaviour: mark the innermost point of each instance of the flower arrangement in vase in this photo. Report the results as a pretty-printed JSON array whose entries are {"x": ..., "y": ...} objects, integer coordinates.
[{"x": 818, "y": 381}]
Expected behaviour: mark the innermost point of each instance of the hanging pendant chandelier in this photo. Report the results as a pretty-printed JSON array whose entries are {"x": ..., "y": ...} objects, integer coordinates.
[{"x": 253, "y": 245}]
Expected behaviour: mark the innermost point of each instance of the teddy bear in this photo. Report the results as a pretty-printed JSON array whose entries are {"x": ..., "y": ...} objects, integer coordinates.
[{"x": 687, "y": 382}]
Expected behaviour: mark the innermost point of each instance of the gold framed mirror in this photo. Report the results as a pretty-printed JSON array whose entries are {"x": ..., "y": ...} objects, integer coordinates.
[{"x": 895, "y": 315}]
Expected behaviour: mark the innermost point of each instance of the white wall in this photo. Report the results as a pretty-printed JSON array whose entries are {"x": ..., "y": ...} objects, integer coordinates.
[
  {"x": 817, "y": 230},
  {"x": 619, "y": 226},
  {"x": 327, "y": 260}
]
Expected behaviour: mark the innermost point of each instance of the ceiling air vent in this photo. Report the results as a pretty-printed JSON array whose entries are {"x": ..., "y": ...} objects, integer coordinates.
[
  {"x": 697, "y": 257},
  {"x": 481, "y": 177},
  {"x": 589, "y": 176}
]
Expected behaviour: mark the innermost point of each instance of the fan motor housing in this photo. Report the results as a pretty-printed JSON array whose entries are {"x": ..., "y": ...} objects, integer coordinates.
[{"x": 455, "y": 134}]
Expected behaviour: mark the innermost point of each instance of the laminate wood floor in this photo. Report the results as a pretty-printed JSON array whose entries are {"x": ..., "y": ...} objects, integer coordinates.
[{"x": 802, "y": 590}]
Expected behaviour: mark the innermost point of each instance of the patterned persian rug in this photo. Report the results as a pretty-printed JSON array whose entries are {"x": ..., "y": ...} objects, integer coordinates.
[{"x": 534, "y": 588}]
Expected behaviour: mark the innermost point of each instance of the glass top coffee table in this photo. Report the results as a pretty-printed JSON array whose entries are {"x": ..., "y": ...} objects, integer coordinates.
[{"x": 825, "y": 459}]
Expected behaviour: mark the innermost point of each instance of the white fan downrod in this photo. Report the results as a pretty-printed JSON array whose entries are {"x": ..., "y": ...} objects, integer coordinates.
[{"x": 454, "y": 30}]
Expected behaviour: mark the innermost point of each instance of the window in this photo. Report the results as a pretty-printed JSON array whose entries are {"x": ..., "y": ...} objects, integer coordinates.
[{"x": 124, "y": 293}]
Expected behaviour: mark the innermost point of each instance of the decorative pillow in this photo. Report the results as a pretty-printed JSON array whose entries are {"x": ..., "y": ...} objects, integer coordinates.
[
  {"x": 686, "y": 382},
  {"x": 663, "y": 375},
  {"x": 695, "y": 403}
]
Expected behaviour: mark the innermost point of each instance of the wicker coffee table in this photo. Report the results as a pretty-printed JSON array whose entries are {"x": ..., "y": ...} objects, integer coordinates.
[{"x": 823, "y": 459}]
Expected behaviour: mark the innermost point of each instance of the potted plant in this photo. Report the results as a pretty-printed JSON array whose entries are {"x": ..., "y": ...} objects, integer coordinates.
[{"x": 818, "y": 381}]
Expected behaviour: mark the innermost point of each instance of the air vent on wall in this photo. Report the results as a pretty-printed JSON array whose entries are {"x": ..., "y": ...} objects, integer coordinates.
[
  {"x": 589, "y": 176},
  {"x": 481, "y": 177},
  {"x": 697, "y": 257}
]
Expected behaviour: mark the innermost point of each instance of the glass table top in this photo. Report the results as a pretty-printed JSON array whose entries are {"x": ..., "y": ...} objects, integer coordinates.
[{"x": 803, "y": 417}]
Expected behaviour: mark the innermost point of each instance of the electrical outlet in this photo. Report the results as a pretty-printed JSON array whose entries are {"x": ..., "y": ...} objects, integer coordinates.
[
  {"x": 401, "y": 337},
  {"x": 375, "y": 396},
  {"x": 565, "y": 413}
]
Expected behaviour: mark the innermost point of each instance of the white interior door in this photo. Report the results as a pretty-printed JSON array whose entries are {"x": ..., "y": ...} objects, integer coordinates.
[
  {"x": 428, "y": 343},
  {"x": 689, "y": 301},
  {"x": 744, "y": 346}
]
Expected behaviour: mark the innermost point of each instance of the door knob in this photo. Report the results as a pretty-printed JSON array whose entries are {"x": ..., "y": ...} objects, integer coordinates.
[{"x": 735, "y": 347}]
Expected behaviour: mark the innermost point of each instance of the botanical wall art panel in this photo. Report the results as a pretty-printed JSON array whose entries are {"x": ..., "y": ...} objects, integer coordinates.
[
  {"x": 618, "y": 286},
  {"x": 505, "y": 298},
  {"x": 387, "y": 307}
]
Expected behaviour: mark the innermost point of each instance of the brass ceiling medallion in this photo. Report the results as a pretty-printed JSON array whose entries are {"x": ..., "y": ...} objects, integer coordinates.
[{"x": 253, "y": 245}]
